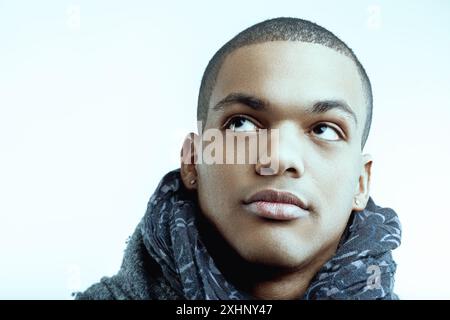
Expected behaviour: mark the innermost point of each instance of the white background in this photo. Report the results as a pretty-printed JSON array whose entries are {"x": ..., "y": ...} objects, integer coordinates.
[{"x": 96, "y": 96}]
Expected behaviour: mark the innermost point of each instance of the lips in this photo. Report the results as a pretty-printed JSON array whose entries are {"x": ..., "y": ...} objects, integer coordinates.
[{"x": 276, "y": 205}]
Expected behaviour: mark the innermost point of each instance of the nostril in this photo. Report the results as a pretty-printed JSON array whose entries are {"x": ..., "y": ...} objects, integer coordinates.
[{"x": 293, "y": 172}]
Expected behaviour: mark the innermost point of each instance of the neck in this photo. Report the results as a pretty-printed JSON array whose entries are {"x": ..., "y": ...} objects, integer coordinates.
[
  {"x": 285, "y": 285},
  {"x": 259, "y": 281}
]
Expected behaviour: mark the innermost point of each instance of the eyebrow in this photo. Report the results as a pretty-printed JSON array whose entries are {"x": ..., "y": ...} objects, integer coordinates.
[{"x": 258, "y": 104}]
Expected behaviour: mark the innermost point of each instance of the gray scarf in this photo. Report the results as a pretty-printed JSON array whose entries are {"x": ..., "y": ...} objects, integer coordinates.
[{"x": 166, "y": 258}]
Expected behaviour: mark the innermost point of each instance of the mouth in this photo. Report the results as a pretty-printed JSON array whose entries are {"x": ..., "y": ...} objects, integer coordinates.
[{"x": 276, "y": 205}]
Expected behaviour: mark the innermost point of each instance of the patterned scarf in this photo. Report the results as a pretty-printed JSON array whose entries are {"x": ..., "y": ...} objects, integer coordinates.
[{"x": 362, "y": 267}]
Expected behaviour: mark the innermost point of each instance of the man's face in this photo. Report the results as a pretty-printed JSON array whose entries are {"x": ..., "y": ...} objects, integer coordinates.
[{"x": 319, "y": 150}]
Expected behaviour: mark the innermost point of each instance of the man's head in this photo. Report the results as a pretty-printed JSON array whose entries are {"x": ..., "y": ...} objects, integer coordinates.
[
  {"x": 298, "y": 78},
  {"x": 281, "y": 29}
]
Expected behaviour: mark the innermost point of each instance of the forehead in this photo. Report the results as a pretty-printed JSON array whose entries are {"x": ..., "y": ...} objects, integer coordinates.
[{"x": 291, "y": 74}]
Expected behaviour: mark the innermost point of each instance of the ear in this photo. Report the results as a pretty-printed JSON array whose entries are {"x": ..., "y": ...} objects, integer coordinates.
[
  {"x": 362, "y": 195},
  {"x": 188, "y": 159}
]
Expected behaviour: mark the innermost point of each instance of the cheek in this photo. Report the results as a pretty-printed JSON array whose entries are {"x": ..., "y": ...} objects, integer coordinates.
[
  {"x": 216, "y": 187},
  {"x": 336, "y": 182}
]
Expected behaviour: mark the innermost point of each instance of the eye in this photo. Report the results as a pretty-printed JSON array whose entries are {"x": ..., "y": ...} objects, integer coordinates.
[
  {"x": 241, "y": 124},
  {"x": 326, "y": 132}
]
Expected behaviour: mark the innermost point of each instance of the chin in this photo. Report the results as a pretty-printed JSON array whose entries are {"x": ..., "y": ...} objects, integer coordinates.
[{"x": 280, "y": 253}]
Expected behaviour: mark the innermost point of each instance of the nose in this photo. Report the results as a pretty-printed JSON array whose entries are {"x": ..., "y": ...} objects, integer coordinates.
[{"x": 287, "y": 153}]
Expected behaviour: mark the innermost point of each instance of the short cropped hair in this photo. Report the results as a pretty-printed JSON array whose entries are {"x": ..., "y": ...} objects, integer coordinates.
[{"x": 280, "y": 29}]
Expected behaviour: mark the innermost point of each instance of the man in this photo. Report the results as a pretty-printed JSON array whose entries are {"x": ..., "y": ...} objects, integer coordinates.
[{"x": 304, "y": 228}]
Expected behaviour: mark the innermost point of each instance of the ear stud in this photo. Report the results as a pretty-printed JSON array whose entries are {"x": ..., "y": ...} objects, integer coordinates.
[{"x": 192, "y": 181}]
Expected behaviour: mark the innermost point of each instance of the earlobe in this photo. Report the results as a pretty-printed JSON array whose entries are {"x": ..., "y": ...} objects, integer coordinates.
[
  {"x": 362, "y": 194},
  {"x": 188, "y": 170}
]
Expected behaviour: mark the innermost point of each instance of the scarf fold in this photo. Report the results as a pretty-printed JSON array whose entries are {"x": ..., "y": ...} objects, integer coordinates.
[{"x": 166, "y": 258}]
